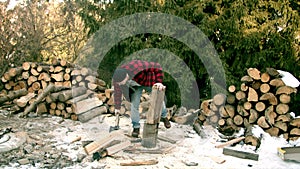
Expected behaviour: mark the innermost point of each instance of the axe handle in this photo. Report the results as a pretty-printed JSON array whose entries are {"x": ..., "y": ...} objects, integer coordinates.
[{"x": 117, "y": 119}]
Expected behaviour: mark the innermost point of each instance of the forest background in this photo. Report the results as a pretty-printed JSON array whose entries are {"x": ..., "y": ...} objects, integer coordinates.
[{"x": 244, "y": 33}]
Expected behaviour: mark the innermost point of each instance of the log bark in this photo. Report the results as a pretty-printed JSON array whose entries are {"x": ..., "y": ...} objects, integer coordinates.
[
  {"x": 72, "y": 93},
  {"x": 23, "y": 101},
  {"x": 272, "y": 72},
  {"x": 39, "y": 98},
  {"x": 12, "y": 95},
  {"x": 90, "y": 114}
]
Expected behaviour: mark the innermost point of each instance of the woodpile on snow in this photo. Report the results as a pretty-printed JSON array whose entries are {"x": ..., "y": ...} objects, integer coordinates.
[
  {"x": 60, "y": 88},
  {"x": 261, "y": 99}
]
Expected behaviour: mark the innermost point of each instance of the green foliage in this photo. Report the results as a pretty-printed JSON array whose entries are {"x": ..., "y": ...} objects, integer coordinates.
[{"x": 257, "y": 33}]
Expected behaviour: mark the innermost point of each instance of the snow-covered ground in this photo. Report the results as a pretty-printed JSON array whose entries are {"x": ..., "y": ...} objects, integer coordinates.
[{"x": 189, "y": 151}]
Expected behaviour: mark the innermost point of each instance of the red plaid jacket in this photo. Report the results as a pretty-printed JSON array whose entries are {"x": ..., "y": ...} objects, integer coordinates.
[{"x": 143, "y": 72}]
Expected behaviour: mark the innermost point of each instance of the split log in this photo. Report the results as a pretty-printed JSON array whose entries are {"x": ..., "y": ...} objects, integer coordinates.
[
  {"x": 281, "y": 125},
  {"x": 295, "y": 122},
  {"x": 270, "y": 97},
  {"x": 284, "y": 118},
  {"x": 31, "y": 80},
  {"x": 59, "y": 77},
  {"x": 242, "y": 111},
  {"x": 270, "y": 115},
  {"x": 85, "y": 105},
  {"x": 295, "y": 131},
  {"x": 263, "y": 123},
  {"x": 273, "y": 131},
  {"x": 41, "y": 108},
  {"x": 247, "y": 78},
  {"x": 34, "y": 72},
  {"x": 254, "y": 73},
  {"x": 235, "y": 140},
  {"x": 244, "y": 87},
  {"x": 101, "y": 143},
  {"x": 253, "y": 116},
  {"x": 276, "y": 82},
  {"x": 23, "y": 101},
  {"x": 44, "y": 76},
  {"x": 252, "y": 95},
  {"x": 285, "y": 90}
]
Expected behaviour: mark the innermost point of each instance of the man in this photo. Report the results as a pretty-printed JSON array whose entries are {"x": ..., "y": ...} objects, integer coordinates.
[{"x": 130, "y": 80}]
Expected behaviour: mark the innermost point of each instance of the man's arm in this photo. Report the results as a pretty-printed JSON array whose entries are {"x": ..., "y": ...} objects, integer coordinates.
[{"x": 117, "y": 96}]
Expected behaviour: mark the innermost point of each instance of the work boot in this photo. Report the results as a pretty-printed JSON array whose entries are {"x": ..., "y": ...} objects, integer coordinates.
[
  {"x": 135, "y": 132},
  {"x": 166, "y": 122}
]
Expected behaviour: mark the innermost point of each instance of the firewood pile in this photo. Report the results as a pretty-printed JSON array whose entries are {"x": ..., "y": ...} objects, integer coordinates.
[
  {"x": 60, "y": 88},
  {"x": 261, "y": 99}
]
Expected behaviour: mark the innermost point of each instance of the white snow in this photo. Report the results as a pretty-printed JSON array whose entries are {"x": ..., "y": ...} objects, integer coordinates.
[{"x": 289, "y": 79}]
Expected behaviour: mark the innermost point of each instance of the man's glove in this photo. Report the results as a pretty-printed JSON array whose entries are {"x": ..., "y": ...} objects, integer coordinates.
[
  {"x": 160, "y": 86},
  {"x": 117, "y": 111}
]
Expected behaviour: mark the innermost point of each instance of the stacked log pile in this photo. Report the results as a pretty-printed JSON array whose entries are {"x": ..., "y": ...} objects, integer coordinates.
[
  {"x": 60, "y": 88},
  {"x": 261, "y": 99}
]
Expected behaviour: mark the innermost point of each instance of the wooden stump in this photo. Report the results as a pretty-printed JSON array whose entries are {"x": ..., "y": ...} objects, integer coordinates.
[{"x": 153, "y": 118}]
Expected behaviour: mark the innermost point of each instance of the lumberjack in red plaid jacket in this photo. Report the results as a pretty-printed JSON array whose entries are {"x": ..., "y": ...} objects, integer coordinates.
[{"x": 143, "y": 72}]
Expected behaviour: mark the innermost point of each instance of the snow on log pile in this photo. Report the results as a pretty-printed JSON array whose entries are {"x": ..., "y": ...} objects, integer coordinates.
[
  {"x": 261, "y": 99},
  {"x": 60, "y": 88}
]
